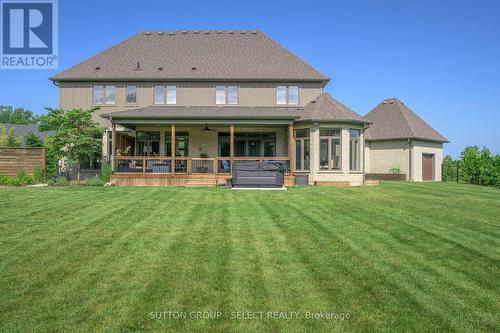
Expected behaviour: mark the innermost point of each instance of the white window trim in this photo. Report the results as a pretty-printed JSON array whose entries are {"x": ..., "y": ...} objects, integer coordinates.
[
  {"x": 329, "y": 149},
  {"x": 360, "y": 150},
  {"x": 302, "y": 139},
  {"x": 136, "y": 94},
  {"x": 226, "y": 94},
  {"x": 165, "y": 94},
  {"x": 104, "y": 94},
  {"x": 287, "y": 95}
]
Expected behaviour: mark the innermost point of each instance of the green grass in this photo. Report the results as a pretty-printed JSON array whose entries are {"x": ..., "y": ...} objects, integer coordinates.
[{"x": 398, "y": 257}]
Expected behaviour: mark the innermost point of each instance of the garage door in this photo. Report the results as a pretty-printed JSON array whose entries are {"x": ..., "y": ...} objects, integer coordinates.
[{"x": 427, "y": 162}]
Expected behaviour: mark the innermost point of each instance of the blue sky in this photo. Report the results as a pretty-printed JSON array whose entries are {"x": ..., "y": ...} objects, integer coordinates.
[{"x": 442, "y": 58}]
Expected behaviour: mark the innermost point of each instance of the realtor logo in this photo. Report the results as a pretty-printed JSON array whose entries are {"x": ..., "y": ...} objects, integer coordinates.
[{"x": 29, "y": 34}]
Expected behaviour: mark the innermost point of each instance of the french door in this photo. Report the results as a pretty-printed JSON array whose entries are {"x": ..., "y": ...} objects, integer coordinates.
[{"x": 302, "y": 154}]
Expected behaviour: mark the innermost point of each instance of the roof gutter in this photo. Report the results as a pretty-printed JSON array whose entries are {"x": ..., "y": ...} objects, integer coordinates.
[
  {"x": 338, "y": 121},
  {"x": 324, "y": 81},
  {"x": 199, "y": 117},
  {"x": 411, "y": 138}
]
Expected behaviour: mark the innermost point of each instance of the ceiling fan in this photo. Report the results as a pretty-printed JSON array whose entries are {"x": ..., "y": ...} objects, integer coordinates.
[{"x": 206, "y": 129}]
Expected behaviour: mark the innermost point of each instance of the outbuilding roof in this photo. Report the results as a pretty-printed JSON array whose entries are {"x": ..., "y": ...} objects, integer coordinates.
[{"x": 392, "y": 119}]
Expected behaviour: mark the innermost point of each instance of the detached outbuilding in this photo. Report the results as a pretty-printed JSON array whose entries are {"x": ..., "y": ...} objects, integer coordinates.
[{"x": 399, "y": 139}]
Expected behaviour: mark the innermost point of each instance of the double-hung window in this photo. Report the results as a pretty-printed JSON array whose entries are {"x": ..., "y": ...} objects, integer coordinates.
[
  {"x": 330, "y": 149},
  {"x": 226, "y": 94},
  {"x": 302, "y": 150},
  {"x": 354, "y": 150},
  {"x": 132, "y": 94},
  {"x": 104, "y": 94},
  {"x": 287, "y": 95},
  {"x": 165, "y": 94}
]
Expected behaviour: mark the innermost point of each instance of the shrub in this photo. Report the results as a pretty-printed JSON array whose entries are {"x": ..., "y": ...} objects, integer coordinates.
[
  {"x": 61, "y": 181},
  {"x": 94, "y": 181},
  {"x": 9, "y": 181},
  {"x": 8, "y": 137},
  {"x": 52, "y": 156},
  {"x": 395, "y": 170},
  {"x": 479, "y": 167},
  {"x": 32, "y": 140},
  {"x": 38, "y": 175},
  {"x": 106, "y": 172},
  {"x": 20, "y": 180},
  {"x": 23, "y": 178}
]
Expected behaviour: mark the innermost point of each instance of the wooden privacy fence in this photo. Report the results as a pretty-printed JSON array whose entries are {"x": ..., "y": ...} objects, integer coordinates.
[{"x": 14, "y": 159}]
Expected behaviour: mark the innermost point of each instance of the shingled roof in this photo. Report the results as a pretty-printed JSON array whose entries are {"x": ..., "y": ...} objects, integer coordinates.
[
  {"x": 392, "y": 119},
  {"x": 207, "y": 112},
  {"x": 194, "y": 55},
  {"x": 326, "y": 108}
]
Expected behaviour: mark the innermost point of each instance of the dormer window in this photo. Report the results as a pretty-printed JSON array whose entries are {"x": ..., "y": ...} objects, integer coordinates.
[
  {"x": 165, "y": 94},
  {"x": 287, "y": 95},
  {"x": 104, "y": 94},
  {"x": 226, "y": 94}
]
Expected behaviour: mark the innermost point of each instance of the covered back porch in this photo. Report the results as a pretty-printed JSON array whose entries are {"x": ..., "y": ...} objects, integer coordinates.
[{"x": 195, "y": 152}]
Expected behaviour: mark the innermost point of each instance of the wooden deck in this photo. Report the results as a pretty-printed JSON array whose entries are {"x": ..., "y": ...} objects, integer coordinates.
[
  {"x": 187, "y": 171},
  {"x": 178, "y": 180}
]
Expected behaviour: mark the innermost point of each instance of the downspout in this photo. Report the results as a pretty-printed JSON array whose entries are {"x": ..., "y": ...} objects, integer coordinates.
[{"x": 410, "y": 161}]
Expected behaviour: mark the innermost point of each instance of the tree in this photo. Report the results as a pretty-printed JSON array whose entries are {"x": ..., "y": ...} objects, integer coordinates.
[
  {"x": 32, "y": 140},
  {"x": 469, "y": 166},
  {"x": 77, "y": 136},
  {"x": 8, "y": 137},
  {"x": 9, "y": 115},
  {"x": 450, "y": 168}
]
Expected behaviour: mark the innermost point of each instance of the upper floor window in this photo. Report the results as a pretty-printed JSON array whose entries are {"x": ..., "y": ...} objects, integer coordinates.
[
  {"x": 104, "y": 94},
  {"x": 354, "y": 150},
  {"x": 287, "y": 95},
  {"x": 131, "y": 94},
  {"x": 226, "y": 94},
  {"x": 330, "y": 149},
  {"x": 165, "y": 94}
]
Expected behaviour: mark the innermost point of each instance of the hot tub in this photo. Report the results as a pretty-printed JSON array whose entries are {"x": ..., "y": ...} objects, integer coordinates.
[{"x": 258, "y": 174}]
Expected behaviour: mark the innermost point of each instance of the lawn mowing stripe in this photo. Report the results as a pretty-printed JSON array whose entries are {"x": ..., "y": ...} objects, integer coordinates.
[
  {"x": 297, "y": 287},
  {"x": 256, "y": 294},
  {"x": 376, "y": 295},
  {"x": 319, "y": 263},
  {"x": 161, "y": 292},
  {"x": 410, "y": 214},
  {"x": 65, "y": 276},
  {"x": 378, "y": 251}
]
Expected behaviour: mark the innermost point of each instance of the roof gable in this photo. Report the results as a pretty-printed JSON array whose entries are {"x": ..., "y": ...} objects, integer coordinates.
[
  {"x": 194, "y": 55},
  {"x": 326, "y": 108},
  {"x": 392, "y": 119}
]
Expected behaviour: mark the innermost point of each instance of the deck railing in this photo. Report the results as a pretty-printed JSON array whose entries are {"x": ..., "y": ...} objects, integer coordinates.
[{"x": 187, "y": 165}]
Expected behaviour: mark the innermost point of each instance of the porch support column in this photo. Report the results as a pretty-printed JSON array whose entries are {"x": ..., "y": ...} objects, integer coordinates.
[
  {"x": 231, "y": 147},
  {"x": 113, "y": 146},
  {"x": 172, "y": 150},
  {"x": 291, "y": 149}
]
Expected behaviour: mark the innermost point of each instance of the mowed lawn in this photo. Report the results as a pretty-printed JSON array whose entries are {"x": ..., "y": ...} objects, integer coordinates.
[{"x": 398, "y": 257}]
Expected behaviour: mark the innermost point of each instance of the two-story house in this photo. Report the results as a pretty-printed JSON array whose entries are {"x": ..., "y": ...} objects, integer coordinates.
[{"x": 182, "y": 107}]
